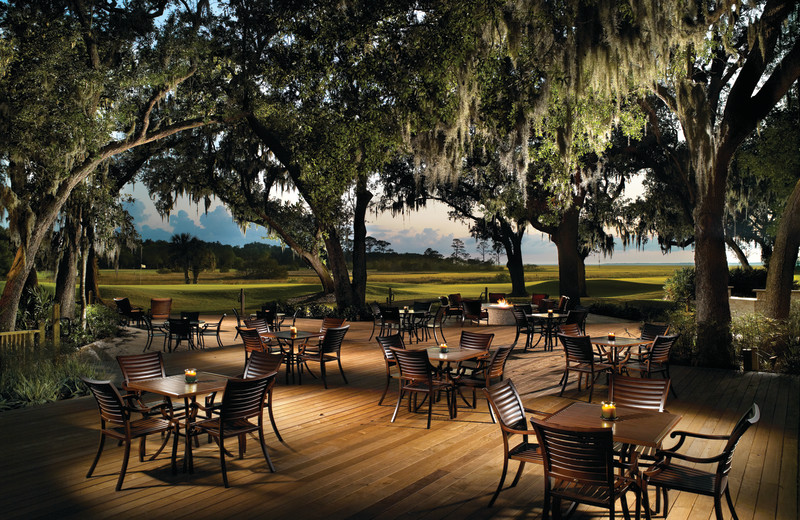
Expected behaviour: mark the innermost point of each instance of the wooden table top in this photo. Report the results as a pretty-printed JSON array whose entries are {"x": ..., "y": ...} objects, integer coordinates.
[
  {"x": 287, "y": 334},
  {"x": 618, "y": 342},
  {"x": 453, "y": 355},
  {"x": 632, "y": 426},
  {"x": 177, "y": 387}
]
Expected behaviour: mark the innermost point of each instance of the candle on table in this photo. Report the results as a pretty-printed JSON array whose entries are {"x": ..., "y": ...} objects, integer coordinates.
[
  {"x": 611, "y": 336},
  {"x": 190, "y": 375},
  {"x": 443, "y": 347},
  {"x": 609, "y": 411},
  {"x": 293, "y": 331},
  {"x": 549, "y": 313}
]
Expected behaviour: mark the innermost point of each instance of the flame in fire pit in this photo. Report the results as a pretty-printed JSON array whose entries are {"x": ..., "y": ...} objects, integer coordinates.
[{"x": 503, "y": 303}]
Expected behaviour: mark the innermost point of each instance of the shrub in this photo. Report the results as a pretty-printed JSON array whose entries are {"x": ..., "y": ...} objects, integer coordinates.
[
  {"x": 27, "y": 380},
  {"x": 101, "y": 322},
  {"x": 680, "y": 287},
  {"x": 743, "y": 281},
  {"x": 772, "y": 338},
  {"x": 683, "y": 322},
  {"x": 642, "y": 310}
]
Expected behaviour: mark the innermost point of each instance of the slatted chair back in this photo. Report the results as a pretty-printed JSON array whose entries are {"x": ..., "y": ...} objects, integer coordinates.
[
  {"x": 243, "y": 399},
  {"x": 659, "y": 352},
  {"x": 137, "y": 367},
  {"x": 497, "y": 363},
  {"x": 455, "y": 300},
  {"x": 638, "y": 392},
  {"x": 261, "y": 364},
  {"x": 330, "y": 323},
  {"x": 563, "y": 304},
  {"x": 570, "y": 329},
  {"x": 749, "y": 418},
  {"x": 260, "y": 324},
  {"x": 332, "y": 341},
  {"x": 519, "y": 316},
  {"x": 536, "y": 298},
  {"x": 387, "y": 343},
  {"x": 580, "y": 456},
  {"x": 495, "y": 297},
  {"x": 109, "y": 401},
  {"x": 252, "y": 340},
  {"x": 391, "y": 315},
  {"x": 547, "y": 304},
  {"x": 578, "y": 317},
  {"x": 422, "y": 306},
  {"x": 507, "y": 405},
  {"x": 578, "y": 349},
  {"x": 123, "y": 306},
  {"x": 651, "y": 330},
  {"x": 160, "y": 308},
  {"x": 475, "y": 340},
  {"x": 414, "y": 365}
]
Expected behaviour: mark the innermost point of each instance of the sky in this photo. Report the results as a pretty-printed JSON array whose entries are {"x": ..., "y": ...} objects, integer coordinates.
[{"x": 412, "y": 233}]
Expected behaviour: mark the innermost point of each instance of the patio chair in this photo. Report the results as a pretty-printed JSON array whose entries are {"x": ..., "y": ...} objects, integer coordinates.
[
  {"x": 537, "y": 299},
  {"x": 238, "y": 322},
  {"x": 474, "y": 341},
  {"x": 116, "y": 422},
  {"x": 418, "y": 376},
  {"x": 579, "y": 467},
  {"x": 387, "y": 343},
  {"x": 563, "y": 304},
  {"x": 128, "y": 312},
  {"x": 654, "y": 360},
  {"x": 524, "y": 326},
  {"x": 153, "y": 331},
  {"x": 213, "y": 330},
  {"x": 242, "y": 402},
  {"x": 160, "y": 308},
  {"x": 578, "y": 317},
  {"x": 474, "y": 312},
  {"x": 666, "y": 475},
  {"x": 506, "y": 404},
  {"x": 253, "y": 341},
  {"x": 179, "y": 331},
  {"x": 495, "y": 297},
  {"x": 492, "y": 371},
  {"x": 264, "y": 364},
  {"x": 377, "y": 318},
  {"x": 579, "y": 357},
  {"x": 329, "y": 350}
]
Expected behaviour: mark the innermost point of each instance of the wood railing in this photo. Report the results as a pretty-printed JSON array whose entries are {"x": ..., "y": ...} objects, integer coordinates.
[{"x": 27, "y": 340}]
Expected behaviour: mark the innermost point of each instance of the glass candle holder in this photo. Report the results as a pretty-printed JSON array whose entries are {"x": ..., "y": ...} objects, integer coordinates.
[
  {"x": 611, "y": 336},
  {"x": 550, "y": 313},
  {"x": 190, "y": 375},
  {"x": 608, "y": 411},
  {"x": 443, "y": 347},
  {"x": 293, "y": 331}
]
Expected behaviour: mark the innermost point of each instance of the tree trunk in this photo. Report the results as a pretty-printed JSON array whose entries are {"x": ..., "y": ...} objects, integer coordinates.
[
  {"x": 93, "y": 274},
  {"x": 566, "y": 240},
  {"x": 359, "y": 285},
  {"x": 66, "y": 280},
  {"x": 582, "y": 275},
  {"x": 186, "y": 278},
  {"x": 343, "y": 290},
  {"x": 516, "y": 268},
  {"x": 739, "y": 253},
  {"x": 784, "y": 256}
]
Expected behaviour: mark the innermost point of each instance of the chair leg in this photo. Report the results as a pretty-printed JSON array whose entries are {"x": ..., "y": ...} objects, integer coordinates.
[
  {"x": 730, "y": 504},
  {"x": 564, "y": 382},
  {"x": 97, "y": 457},
  {"x": 124, "y": 468},
  {"x": 430, "y": 408},
  {"x": 502, "y": 479},
  {"x": 386, "y": 389},
  {"x": 264, "y": 449},
  {"x": 339, "y": 360},
  {"x": 274, "y": 426},
  {"x": 399, "y": 399},
  {"x": 222, "y": 465}
]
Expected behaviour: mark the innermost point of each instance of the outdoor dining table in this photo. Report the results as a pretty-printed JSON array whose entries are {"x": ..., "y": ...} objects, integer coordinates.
[
  {"x": 409, "y": 324},
  {"x": 616, "y": 345},
  {"x": 176, "y": 387},
  {"x": 633, "y": 426},
  {"x": 287, "y": 338},
  {"x": 551, "y": 319}
]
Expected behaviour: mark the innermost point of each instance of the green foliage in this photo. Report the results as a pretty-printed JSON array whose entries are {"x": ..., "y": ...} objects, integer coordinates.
[
  {"x": 680, "y": 287},
  {"x": 683, "y": 322},
  {"x": 744, "y": 281},
  {"x": 639, "y": 310},
  {"x": 101, "y": 322},
  {"x": 35, "y": 307},
  {"x": 27, "y": 380},
  {"x": 265, "y": 268},
  {"x": 771, "y": 338}
]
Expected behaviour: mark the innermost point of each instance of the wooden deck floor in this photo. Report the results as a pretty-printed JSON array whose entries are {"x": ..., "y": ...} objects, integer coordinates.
[{"x": 342, "y": 458}]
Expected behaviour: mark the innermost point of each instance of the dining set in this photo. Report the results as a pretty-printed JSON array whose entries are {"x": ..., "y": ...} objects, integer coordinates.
[{"x": 179, "y": 414}]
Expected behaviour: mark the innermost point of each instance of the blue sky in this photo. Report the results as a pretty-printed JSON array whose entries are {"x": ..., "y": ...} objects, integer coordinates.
[{"x": 413, "y": 232}]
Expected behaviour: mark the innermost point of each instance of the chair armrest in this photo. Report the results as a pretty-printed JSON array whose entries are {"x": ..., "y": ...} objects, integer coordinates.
[{"x": 668, "y": 454}]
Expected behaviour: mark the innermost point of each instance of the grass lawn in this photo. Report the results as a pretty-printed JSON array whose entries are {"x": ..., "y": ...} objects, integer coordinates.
[{"x": 219, "y": 292}]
